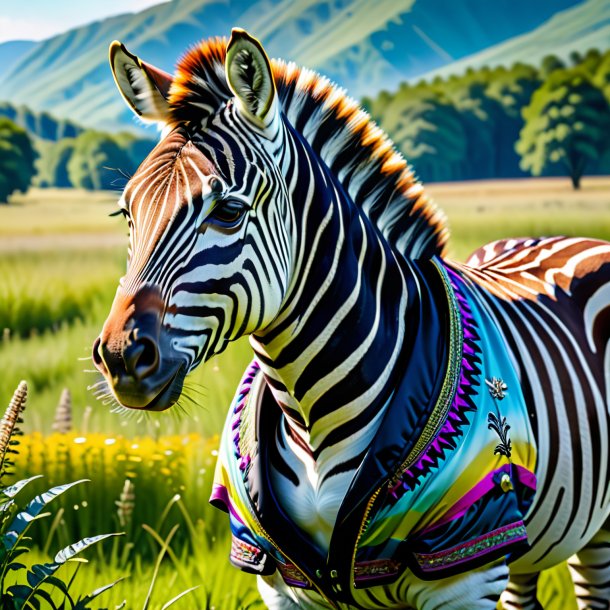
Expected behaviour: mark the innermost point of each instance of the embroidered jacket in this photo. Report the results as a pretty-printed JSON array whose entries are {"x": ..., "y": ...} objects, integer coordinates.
[{"x": 444, "y": 486}]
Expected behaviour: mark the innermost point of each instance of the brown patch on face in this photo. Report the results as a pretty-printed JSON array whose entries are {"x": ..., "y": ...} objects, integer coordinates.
[
  {"x": 169, "y": 179},
  {"x": 126, "y": 307}
]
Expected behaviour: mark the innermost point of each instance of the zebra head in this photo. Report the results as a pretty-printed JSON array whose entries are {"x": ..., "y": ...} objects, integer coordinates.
[{"x": 209, "y": 221}]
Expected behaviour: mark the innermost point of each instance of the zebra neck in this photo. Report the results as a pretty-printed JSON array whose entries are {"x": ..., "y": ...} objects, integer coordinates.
[{"x": 332, "y": 356}]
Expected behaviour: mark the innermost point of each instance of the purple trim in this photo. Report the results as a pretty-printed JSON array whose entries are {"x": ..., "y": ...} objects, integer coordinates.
[
  {"x": 220, "y": 497},
  {"x": 245, "y": 386},
  {"x": 526, "y": 477},
  {"x": 461, "y": 404},
  {"x": 301, "y": 584},
  {"x": 289, "y": 574},
  {"x": 483, "y": 487}
]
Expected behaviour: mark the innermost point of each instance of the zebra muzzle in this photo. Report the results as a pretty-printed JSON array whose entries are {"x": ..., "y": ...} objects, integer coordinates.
[{"x": 135, "y": 355}]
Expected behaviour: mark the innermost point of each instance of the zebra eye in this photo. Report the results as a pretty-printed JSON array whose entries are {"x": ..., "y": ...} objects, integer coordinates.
[{"x": 229, "y": 213}]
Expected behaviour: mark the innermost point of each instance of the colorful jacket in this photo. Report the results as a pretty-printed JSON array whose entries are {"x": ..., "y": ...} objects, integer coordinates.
[{"x": 445, "y": 485}]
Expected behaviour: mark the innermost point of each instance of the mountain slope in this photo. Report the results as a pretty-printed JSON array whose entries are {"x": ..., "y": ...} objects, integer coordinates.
[
  {"x": 11, "y": 52},
  {"x": 580, "y": 28},
  {"x": 363, "y": 45}
]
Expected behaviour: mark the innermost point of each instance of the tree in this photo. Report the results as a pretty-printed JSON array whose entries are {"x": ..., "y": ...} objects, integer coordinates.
[
  {"x": 97, "y": 161},
  {"x": 430, "y": 133},
  {"x": 137, "y": 149},
  {"x": 549, "y": 64},
  {"x": 17, "y": 156},
  {"x": 53, "y": 163},
  {"x": 601, "y": 76},
  {"x": 566, "y": 124}
]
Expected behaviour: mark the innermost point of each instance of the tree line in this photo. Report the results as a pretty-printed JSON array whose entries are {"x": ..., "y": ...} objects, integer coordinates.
[
  {"x": 504, "y": 122},
  {"x": 40, "y": 124},
  {"x": 487, "y": 123},
  {"x": 90, "y": 159}
]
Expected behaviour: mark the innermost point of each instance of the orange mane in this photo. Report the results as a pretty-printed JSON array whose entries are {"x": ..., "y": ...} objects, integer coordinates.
[{"x": 379, "y": 179}]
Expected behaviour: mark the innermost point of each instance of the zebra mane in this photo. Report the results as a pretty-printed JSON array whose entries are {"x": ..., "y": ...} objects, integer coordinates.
[{"x": 357, "y": 151}]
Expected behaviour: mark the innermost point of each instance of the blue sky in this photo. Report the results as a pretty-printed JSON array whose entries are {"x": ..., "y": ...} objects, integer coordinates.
[{"x": 38, "y": 19}]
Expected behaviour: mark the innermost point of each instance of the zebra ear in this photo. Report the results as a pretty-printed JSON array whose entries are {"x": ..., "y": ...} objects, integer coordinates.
[
  {"x": 144, "y": 87},
  {"x": 250, "y": 78}
]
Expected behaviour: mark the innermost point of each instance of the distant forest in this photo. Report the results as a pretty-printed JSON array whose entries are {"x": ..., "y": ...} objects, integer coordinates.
[
  {"x": 37, "y": 148},
  {"x": 500, "y": 122},
  {"x": 504, "y": 122}
]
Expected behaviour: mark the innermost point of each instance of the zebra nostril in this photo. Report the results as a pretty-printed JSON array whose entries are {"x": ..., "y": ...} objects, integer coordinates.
[
  {"x": 142, "y": 357},
  {"x": 96, "y": 355}
]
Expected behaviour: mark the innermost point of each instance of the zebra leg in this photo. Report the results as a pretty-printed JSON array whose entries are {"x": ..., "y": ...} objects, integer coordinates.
[
  {"x": 590, "y": 569},
  {"x": 521, "y": 593},
  {"x": 478, "y": 589}
]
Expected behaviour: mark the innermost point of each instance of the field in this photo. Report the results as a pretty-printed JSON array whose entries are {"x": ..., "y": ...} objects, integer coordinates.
[{"x": 60, "y": 259}]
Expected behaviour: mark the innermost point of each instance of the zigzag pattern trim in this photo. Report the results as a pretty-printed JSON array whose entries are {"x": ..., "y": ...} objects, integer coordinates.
[{"x": 462, "y": 404}]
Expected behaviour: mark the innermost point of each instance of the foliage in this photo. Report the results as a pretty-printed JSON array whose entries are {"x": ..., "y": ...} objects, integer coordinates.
[
  {"x": 53, "y": 164},
  {"x": 601, "y": 75},
  {"x": 466, "y": 126},
  {"x": 30, "y": 586},
  {"x": 567, "y": 124},
  {"x": 95, "y": 162},
  {"x": 429, "y": 131},
  {"x": 39, "y": 124},
  {"x": 17, "y": 156},
  {"x": 137, "y": 149}
]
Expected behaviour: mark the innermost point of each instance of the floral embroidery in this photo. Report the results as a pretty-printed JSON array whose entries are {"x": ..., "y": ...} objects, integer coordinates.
[
  {"x": 499, "y": 425},
  {"x": 497, "y": 387},
  {"x": 378, "y": 568},
  {"x": 244, "y": 552}
]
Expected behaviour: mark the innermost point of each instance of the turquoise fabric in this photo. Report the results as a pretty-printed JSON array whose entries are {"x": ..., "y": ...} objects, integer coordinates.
[{"x": 459, "y": 504}]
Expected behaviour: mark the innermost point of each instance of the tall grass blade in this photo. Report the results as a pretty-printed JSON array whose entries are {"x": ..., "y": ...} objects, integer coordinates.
[
  {"x": 82, "y": 604},
  {"x": 162, "y": 552},
  {"x": 23, "y": 519},
  {"x": 172, "y": 601},
  {"x": 71, "y": 550},
  {"x": 13, "y": 490}
]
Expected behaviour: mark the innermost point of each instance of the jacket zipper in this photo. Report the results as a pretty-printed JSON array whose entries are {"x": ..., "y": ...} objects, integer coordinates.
[{"x": 265, "y": 535}]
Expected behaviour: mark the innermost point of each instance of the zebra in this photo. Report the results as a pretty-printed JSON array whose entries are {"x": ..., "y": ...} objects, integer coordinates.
[{"x": 274, "y": 207}]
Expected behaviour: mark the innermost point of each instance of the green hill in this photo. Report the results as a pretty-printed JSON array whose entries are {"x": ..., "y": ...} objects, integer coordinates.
[{"x": 363, "y": 45}]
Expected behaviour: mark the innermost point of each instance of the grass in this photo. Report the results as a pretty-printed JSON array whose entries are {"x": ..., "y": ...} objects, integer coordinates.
[
  {"x": 483, "y": 211},
  {"x": 40, "y": 291},
  {"x": 47, "y": 212},
  {"x": 53, "y": 361},
  {"x": 219, "y": 586},
  {"x": 171, "y": 477}
]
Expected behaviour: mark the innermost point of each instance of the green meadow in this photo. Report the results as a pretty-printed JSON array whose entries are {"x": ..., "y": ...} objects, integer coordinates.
[{"x": 60, "y": 259}]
